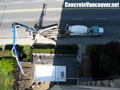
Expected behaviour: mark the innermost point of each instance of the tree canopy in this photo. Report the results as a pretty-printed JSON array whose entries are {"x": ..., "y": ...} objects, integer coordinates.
[{"x": 105, "y": 59}]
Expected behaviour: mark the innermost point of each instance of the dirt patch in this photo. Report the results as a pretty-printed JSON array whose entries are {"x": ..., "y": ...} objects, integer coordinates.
[
  {"x": 25, "y": 82},
  {"x": 5, "y": 53},
  {"x": 84, "y": 67}
]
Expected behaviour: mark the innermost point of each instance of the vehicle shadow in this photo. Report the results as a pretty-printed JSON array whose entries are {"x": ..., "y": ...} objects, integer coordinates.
[
  {"x": 39, "y": 25},
  {"x": 42, "y": 15}
]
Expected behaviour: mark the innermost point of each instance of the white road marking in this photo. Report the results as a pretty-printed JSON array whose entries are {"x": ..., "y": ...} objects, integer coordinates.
[
  {"x": 77, "y": 18},
  {"x": 101, "y": 18},
  {"x": 1, "y": 3},
  {"x": 19, "y": 20},
  {"x": 51, "y": 19},
  {"x": 7, "y": 20},
  {"x": 35, "y": 1},
  {"x": 48, "y": 9},
  {"x": 28, "y": 20},
  {"x": 59, "y": 0},
  {"x": 18, "y": 2}
]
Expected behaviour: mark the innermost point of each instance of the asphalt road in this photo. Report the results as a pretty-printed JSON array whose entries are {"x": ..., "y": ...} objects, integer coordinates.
[
  {"x": 25, "y": 12},
  {"x": 30, "y": 12}
]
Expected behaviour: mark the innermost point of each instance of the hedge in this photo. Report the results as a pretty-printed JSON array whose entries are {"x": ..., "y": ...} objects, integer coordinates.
[
  {"x": 43, "y": 50},
  {"x": 5, "y": 53},
  {"x": 59, "y": 49},
  {"x": 0, "y": 47},
  {"x": 24, "y": 51}
]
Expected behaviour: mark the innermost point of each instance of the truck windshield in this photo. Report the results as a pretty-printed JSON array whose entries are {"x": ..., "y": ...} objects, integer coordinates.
[{"x": 91, "y": 30}]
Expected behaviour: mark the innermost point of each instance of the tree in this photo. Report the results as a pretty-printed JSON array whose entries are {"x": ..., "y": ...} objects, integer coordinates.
[
  {"x": 105, "y": 59},
  {"x": 105, "y": 62},
  {"x": 110, "y": 58}
]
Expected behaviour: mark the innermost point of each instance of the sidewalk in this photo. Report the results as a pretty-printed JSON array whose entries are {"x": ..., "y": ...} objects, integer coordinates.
[{"x": 27, "y": 41}]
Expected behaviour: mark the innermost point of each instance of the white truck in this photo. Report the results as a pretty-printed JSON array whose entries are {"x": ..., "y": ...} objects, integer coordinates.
[{"x": 81, "y": 30}]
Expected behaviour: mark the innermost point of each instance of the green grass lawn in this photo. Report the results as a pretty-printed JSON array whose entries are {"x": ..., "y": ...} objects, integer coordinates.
[
  {"x": 0, "y": 47},
  {"x": 6, "y": 74},
  {"x": 6, "y": 81},
  {"x": 5, "y": 53}
]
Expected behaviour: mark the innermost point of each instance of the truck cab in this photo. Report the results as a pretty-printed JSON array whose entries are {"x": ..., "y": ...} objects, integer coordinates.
[{"x": 96, "y": 31}]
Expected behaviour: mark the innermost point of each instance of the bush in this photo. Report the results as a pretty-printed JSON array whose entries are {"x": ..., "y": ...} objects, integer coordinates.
[
  {"x": 0, "y": 47},
  {"x": 59, "y": 49},
  {"x": 8, "y": 47},
  {"x": 43, "y": 46},
  {"x": 105, "y": 62},
  {"x": 66, "y": 49},
  {"x": 43, "y": 50},
  {"x": 7, "y": 65},
  {"x": 105, "y": 59},
  {"x": 27, "y": 58},
  {"x": 6, "y": 81},
  {"x": 6, "y": 74},
  {"x": 24, "y": 52},
  {"x": 92, "y": 48},
  {"x": 26, "y": 48},
  {"x": 5, "y": 53}
]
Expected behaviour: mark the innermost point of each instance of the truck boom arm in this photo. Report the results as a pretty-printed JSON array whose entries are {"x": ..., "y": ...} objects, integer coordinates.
[{"x": 14, "y": 50}]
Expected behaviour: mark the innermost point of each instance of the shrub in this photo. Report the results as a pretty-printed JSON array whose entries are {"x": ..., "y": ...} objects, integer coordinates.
[
  {"x": 8, "y": 47},
  {"x": 6, "y": 81},
  {"x": 5, "y": 53},
  {"x": 7, "y": 65},
  {"x": 43, "y": 50},
  {"x": 27, "y": 58},
  {"x": 0, "y": 47},
  {"x": 59, "y": 49},
  {"x": 26, "y": 48},
  {"x": 24, "y": 52},
  {"x": 43, "y": 46}
]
